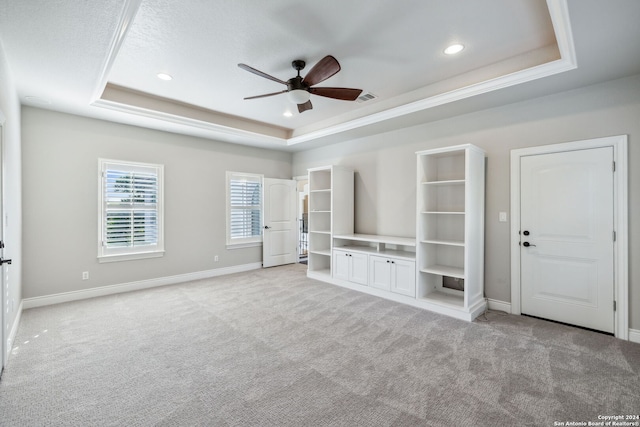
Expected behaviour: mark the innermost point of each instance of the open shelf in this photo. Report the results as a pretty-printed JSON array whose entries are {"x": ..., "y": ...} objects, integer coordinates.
[
  {"x": 450, "y": 227},
  {"x": 444, "y": 270},
  {"x": 444, "y": 242},
  {"x": 392, "y": 246},
  {"x": 439, "y": 297},
  {"x": 326, "y": 252},
  {"x": 446, "y": 182},
  {"x": 330, "y": 211}
]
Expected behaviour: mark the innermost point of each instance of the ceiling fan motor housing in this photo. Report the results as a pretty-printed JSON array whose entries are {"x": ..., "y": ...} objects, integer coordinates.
[{"x": 296, "y": 83}]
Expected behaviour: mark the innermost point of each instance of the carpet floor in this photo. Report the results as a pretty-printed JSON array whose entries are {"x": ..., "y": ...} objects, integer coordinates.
[{"x": 273, "y": 348}]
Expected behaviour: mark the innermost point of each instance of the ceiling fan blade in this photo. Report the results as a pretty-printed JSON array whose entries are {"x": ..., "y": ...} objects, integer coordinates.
[
  {"x": 324, "y": 69},
  {"x": 304, "y": 107},
  {"x": 266, "y": 94},
  {"x": 260, "y": 73},
  {"x": 343, "y": 93}
]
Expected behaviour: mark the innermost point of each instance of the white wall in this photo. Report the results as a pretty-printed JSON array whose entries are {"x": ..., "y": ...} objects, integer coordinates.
[
  {"x": 386, "y": 177},
  {"x": 10, "y": 108},
  {"x": 60, "y": 193}
]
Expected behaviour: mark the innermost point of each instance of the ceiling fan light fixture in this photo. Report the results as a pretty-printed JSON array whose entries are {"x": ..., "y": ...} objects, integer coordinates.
[
  {"x": 453, "y": 49},
  {"x": 287, "y": 114},
  {"x": 164, "y": 76},
  {"x": 298, "y": 96}
]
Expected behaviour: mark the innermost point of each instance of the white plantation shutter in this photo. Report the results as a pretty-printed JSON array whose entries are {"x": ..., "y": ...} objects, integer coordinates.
[
  {"x": 244, "y": 208},
  {"x": 131, "y": 202}
]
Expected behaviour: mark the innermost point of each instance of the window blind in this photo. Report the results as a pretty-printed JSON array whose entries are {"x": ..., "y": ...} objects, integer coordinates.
[
  {"x": 245, "y": 207},
  {"x": 131, "y": 214},
  {"x": 131, "y": 208}
]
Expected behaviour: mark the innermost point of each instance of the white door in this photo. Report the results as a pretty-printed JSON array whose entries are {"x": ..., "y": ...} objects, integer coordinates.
[
  {"x": 4, "y": 322},
  {"x": 280, "y": 236},
  {"x": 566, "y": 241}
]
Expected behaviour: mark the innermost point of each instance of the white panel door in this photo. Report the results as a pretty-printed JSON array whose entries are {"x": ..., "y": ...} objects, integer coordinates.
[
  {"x": 341, "y": 264},
  {"x": 566, "y": 249},
  {"x": 4, "y": 322},
  {"x": 280, "y": 236}
]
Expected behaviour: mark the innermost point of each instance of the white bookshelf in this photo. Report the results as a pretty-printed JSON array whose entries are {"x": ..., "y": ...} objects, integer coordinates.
[
  {"x": 331, "y": 200},
  {"x": 450, "y": 230}
]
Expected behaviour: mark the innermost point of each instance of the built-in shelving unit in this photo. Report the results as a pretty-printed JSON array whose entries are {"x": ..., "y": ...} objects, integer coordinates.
[
  {"x": 331, "y": 201},
  {"x": 450, "y": 230},
  {"x": 440, "y": 269}
]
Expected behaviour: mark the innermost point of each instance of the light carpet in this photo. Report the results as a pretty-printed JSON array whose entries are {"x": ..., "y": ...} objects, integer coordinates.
[{"x": 273, "y": 348}]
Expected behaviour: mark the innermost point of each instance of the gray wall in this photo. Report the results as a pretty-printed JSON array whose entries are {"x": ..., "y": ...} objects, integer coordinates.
[
  {"x": 386, "y": 178},
  {"x": 60, "y": 185}
]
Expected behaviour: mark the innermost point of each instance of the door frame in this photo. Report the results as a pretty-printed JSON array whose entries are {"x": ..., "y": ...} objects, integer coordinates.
[{"x": 620, "y": 222}]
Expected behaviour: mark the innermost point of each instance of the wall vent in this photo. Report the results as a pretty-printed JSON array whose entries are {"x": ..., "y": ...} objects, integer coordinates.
[{"x": 366, "y": 96}]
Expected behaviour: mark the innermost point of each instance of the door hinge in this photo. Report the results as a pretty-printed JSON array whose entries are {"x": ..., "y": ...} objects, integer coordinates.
[
  {"x": 614, "y": 306},
  {"x": 614, "y": 166},
  {"x": 614, "y": 236}
]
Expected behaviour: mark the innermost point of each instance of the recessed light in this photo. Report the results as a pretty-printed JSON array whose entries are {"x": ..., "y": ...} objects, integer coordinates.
[
  {"x": 453, "y": 49},
  {"x": 164, "y": 76},
  {"x": 287, "y": 114}
]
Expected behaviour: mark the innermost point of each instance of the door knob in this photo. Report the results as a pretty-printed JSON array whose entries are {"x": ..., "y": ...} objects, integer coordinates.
[
  {"x": 527, "y": 244},
  {"x": 5, "y": 261},
  {"x": 266, "y": 227},
  {"x": 525, "y": 232}
]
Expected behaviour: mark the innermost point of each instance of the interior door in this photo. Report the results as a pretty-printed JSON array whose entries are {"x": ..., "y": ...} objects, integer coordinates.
[
  {"x": 280, "y": 236},
  {"x": 4, "y": 322},
  {"x": 566, "y": 240}
]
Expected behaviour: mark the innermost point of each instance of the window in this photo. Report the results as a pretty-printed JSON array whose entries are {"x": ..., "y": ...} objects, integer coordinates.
[
  {"x": 244, "y": 209},
  {"x": 131, "y": 211}
]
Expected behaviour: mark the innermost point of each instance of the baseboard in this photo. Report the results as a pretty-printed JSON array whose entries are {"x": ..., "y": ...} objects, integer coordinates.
[
  {"x": 634, "y": 335},
  {"x": 497, "y": 305},
  {"x": 13, "y": 333},
  {"x": 134, "y": 286}
]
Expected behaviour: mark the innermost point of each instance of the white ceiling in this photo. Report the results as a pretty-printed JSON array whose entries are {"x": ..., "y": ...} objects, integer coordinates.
[{"x": 100, "y": 59}]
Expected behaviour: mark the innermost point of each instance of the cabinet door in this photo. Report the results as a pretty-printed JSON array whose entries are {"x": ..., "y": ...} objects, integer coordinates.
[
  {"x": 340, "y": 265},
  {"x": 359, "y": 268},
  {"x": 403, "y": 279},
  {"x": 380, "y": 272}
]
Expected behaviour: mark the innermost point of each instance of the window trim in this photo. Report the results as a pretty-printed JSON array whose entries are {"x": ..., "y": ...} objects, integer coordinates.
[
  {"x": 129, "y": 253},
  {"x": 245, "y": 242}
]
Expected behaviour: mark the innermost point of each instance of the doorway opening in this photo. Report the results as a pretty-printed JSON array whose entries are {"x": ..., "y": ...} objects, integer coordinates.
[{"x": 303, "y": 218}]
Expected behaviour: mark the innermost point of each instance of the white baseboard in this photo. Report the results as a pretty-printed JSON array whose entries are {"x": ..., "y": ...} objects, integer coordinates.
[
  {"x": 497, "y": 305},
  {"x": 134, "y": 286},
  {"x": 634, "y": 335},
  {"x": 12, "y": 334}
]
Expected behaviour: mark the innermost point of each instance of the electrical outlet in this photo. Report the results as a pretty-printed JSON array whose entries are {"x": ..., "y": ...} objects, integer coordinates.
[
  {"x": 85, "y": 275},
  {"x": 215, "y": 258},
  {"x": 502, "y": 217}
]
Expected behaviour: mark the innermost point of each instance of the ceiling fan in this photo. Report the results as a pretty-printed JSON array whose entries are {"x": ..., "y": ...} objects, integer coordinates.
[{"x": 299, "y": 89}]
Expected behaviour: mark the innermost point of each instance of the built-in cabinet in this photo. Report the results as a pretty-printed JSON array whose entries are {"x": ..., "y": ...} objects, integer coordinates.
[
  {"x": 382, "y": 262},
  {"x": 393, "y": 274},
  {"x": 450, "y": 228},
  {"x": 350, "y": 265},
  {"x": 331, "y": 200},
  {"x": 440, "y": 269}
]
